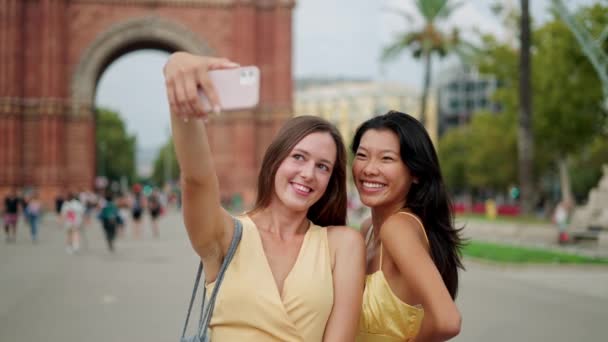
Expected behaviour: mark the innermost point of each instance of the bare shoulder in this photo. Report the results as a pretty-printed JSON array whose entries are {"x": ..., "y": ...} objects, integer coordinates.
[
  {"x": 343, "y": 240},
  {"x": 403, "y": 228},
  {"x": 346, "y": 246},
  {"x": 343, "y": 236}
]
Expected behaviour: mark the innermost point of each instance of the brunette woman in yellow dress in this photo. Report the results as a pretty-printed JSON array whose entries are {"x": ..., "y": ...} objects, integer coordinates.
[
  {"x": 290, "y": 279},
  {"x": 412, "y": 245}
]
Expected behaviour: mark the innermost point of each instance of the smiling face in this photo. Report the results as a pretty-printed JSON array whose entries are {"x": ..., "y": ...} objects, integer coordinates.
[
  {"x": 302, "y": 177},
  {"x": 381, "y": 176}
]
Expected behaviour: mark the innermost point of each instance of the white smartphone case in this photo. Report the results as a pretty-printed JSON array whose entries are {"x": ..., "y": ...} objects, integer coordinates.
[{"x": 237, "y": 88}]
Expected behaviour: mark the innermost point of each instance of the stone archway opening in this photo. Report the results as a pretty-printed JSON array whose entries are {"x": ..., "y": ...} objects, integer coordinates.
[
  {"x": 131, "y": 86},
  {"x": 135, "y": 34},
  {"x": 123, "y": 39}
]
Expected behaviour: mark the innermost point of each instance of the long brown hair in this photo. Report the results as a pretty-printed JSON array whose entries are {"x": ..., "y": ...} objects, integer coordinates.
[{"x": 330, "y": 209}]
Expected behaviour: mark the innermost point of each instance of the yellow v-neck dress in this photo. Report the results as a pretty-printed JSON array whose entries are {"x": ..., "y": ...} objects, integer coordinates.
[
  {"x": 385, "y": 317},
  {"x": 249, "y": 306}
]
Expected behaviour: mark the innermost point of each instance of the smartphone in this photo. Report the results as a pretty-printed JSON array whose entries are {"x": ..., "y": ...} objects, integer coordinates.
[{"x": 237, "y": 88}]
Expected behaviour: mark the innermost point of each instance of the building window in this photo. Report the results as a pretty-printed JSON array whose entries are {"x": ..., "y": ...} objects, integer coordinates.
[
  {"x": 470, "y": 104},
  {"x": 454, "y": 104}
]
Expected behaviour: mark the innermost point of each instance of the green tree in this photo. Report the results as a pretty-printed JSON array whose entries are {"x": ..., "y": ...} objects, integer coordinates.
[
  {"x": 115, "y": 155},
  {"x": 166, "y": 167},
  {"x": 425, "y": 42},
  {"x": 570, "y": 114},
  {"x": 453, "y": 149},
  {"x": 567, "y": 106},
  {"x": 481, "y": 155},
  {"x": 492, "y": 152}
]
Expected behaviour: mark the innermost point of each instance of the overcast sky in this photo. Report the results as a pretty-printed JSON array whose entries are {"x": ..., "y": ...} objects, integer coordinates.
[{"x": 347, "y": 34}]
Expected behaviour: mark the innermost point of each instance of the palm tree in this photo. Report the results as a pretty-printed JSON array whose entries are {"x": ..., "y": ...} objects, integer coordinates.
[
  {"x": 426, "y": 41},
  {"x": 525, "y": 141}
]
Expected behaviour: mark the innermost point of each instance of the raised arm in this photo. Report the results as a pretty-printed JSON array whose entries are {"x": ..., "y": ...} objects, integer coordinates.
[
  {"x": 403, "y": 239},
  {"x": 209, "y": 226},
  {"x": 349, "y": 281}
]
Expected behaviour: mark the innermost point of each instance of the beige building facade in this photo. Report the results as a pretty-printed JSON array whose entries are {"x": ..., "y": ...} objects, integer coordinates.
[{"x": 348, "y": 103}]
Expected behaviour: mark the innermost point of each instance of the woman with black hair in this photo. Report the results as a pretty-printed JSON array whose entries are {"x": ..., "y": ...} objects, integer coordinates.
[{"x": 412, "y": 244}]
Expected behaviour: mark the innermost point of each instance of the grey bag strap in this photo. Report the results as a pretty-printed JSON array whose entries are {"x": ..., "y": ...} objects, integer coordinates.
[{"x": 207, "y": 308}]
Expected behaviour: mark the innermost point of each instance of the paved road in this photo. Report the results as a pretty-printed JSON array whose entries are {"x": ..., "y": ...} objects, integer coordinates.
[
  {"x": 533, "y": 304},
  {"x": 140, "y": 293}
]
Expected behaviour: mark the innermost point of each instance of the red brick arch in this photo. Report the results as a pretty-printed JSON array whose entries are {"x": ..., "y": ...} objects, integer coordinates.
[
  {"x": 54, "y": 51},
  {"x": 151, "y": 31}
]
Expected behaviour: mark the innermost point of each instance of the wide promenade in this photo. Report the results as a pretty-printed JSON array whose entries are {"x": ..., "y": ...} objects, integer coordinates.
[{"x": 140, "y": 293}]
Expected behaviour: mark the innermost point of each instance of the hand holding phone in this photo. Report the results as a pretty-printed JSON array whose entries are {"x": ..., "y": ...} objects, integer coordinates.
[{"x": 237, "y": 88}]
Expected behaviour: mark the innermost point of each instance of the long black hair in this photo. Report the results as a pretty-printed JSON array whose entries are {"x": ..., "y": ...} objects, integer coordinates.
[{"x": 428, "y": 199}]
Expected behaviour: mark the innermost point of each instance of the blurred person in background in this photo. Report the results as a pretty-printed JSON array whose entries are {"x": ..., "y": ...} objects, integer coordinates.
[
  {"x": 137, "y": 208},
  {"x": 109, "y": 216},
  {"x": 12, "y": 204},
  {"x": 59, "y": 200},
  {"x": 123, "y": 209},
  {"x": 561, "y": 216},
  {"x": 155, "y": 209},
  {"x": 32, "y": 211},
  {"x": 90, "y": 201},
  {"x": 72, "y": 213}
]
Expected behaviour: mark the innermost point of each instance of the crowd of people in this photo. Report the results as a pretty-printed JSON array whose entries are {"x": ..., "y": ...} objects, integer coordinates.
[{"x": 116, "y": 212}]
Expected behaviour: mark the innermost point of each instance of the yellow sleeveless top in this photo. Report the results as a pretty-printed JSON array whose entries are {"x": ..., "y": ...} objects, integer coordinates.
[
  {"x": 249, "y": 307},
  {"x": 384, "y": 317}
]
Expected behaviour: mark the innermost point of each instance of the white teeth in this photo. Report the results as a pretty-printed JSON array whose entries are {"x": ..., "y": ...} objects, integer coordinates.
[
  {"x": 373, "y": 185},
  {"x": 302, "y": 188}
]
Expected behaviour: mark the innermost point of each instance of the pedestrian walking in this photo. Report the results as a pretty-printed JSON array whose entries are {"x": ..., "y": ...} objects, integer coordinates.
[
  {"x": 33, "y": 209},
  {"x": 12, "y": 203},
  {"x": 155, "y": 208},
  {"x": 137, "y": 208},
  {"x": 72, "y": 213},
  {"x": 110, "y": 218},
  {"x": 561, "y": 219}
]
